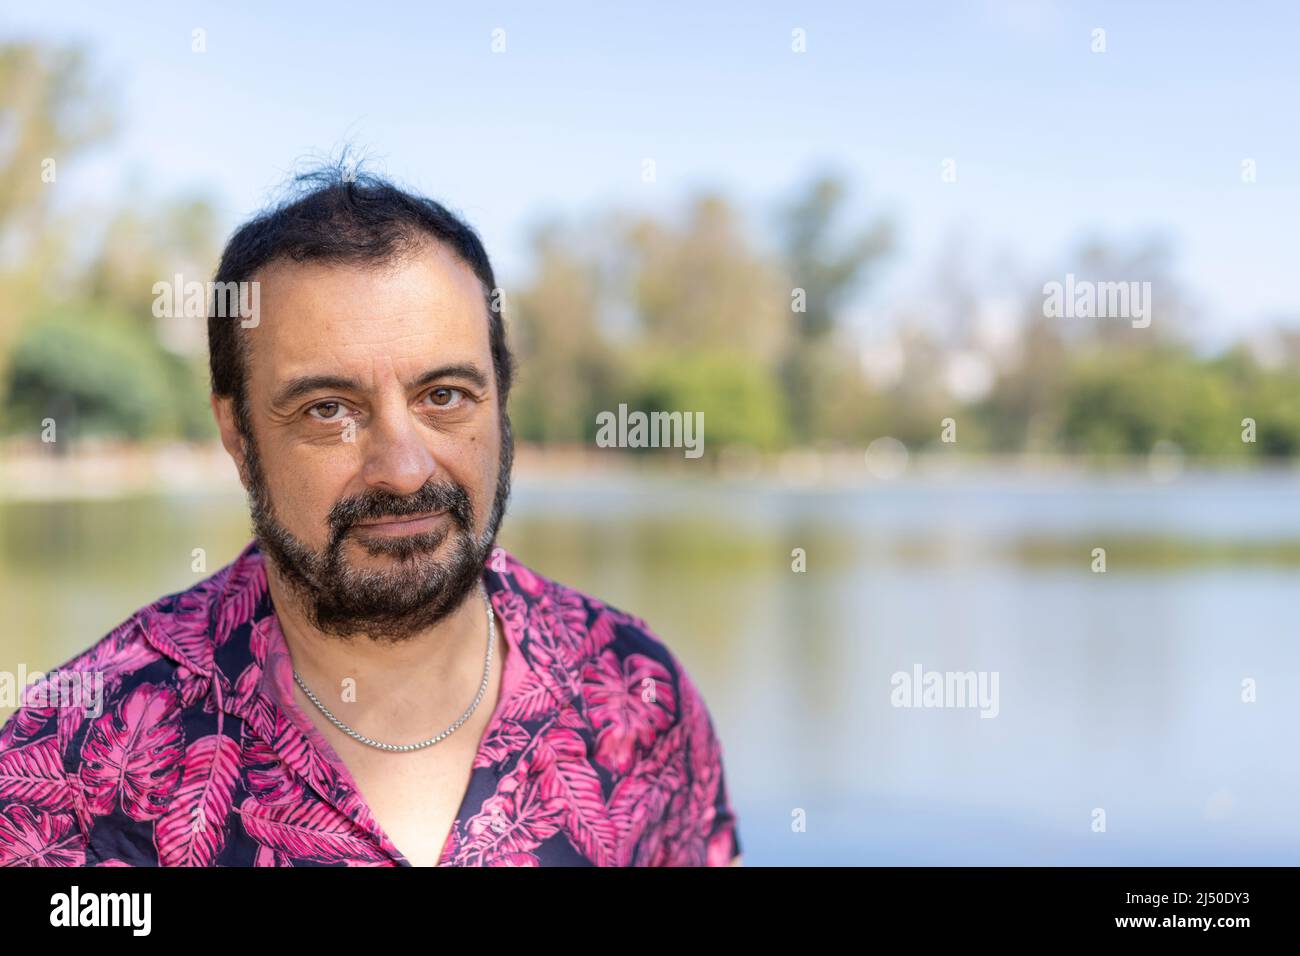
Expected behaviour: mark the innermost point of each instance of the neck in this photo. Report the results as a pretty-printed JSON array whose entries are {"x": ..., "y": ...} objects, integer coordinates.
[{"x": 400, "y": 688}]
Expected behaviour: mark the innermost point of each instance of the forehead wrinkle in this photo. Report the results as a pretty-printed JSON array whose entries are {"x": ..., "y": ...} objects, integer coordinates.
[
  {"x": 344, "y": 356},
  {"x": 439, "y": 318},
  {"x": 355, "y": 330},
  {"x": 434, "y": 347},
  {"x": 308, "y": 299}
]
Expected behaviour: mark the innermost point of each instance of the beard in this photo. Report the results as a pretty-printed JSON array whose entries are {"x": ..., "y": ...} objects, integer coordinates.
[{"x": 393, "y": 604}]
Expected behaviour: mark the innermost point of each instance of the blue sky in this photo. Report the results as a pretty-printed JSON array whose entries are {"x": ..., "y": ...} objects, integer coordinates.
[{"x": 1053, "y": 143}]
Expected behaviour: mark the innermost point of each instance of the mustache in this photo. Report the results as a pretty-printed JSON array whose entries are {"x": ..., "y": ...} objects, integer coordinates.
[{"x": 432, "y": 496}]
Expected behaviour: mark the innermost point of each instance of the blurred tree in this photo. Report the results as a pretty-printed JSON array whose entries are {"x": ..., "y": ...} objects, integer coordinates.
[
  {"x": 146, "y": 244},
  {"x": 918, "y": 400},
  {"x": 566, "y": 367},
  {"x": 711, "y": 313},
  {"x": 828, "y": 268},
  {"x": 1118, "y": 403},
  {"x": 140, "y": 248},
  {"x": 740, "y": 399},
  {"x": 1024, "y": 410},
  {"x": 703, "y": 287},
  {"x": 1172, "y": 314},
  {"x": 635, "y": 309},
  {"x": 839, "y": 406},
  {"x": 50, "y": 110},
  {"x": 95, "y": 371},
  {"x": 1270, "y": 397}
]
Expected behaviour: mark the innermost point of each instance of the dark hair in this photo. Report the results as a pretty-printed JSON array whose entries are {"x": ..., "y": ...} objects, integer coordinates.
[{"x": 341, "y": 215}]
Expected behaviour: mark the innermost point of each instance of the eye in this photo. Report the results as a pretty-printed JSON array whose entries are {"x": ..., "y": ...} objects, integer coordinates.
[
  {"x": 330, "y": 411},
  {"x": 445, "y": 396}
]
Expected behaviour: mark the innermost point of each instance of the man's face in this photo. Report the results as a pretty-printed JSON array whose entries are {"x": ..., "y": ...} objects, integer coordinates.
[{"x": 378, "y": 468}]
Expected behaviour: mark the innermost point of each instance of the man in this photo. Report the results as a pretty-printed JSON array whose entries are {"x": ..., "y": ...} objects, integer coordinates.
[{"x": 372, "y": 682}]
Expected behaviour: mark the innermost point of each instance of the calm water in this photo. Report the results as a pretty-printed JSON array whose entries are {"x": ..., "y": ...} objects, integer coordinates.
[{"x": 1119, "y": 691}]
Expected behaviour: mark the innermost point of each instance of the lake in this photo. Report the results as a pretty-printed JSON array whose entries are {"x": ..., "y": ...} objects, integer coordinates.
[{"x": 1118, "y": 691}]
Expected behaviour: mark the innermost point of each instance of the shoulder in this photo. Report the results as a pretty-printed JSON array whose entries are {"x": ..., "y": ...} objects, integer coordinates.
[
  {"x": 611, "y": 658},
  {"x": 632, "y": 734},
  {"x": 80, "y": 682},
  {"x": 43, "y": 819},
  {"x": 626, "y": 684},
  {"x": 163, "y": 644},
  {"x": 59, "y": 748}
]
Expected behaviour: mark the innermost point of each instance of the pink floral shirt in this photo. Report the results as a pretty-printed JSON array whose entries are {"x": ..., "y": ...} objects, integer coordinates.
[{"x": 600, "y": 751}]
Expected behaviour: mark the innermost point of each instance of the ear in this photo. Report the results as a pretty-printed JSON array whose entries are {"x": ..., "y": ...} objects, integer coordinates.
[{"x": 223, "y": 410}]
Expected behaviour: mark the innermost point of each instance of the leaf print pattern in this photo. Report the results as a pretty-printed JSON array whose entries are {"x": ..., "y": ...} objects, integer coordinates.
[
  {"x": 34, "y": 838},
  {"x": 617, "y": 695},
  {"x": 192, "y": 830},
  {"x": 600, "y": 750},
  {"x": 120, "y": 652},
  {"x": 266, "y": 775},
  {"x": 34, "y": 775},
  {"x": 510, "y": 737},
  {"x": 24, "y": 724},
  {"x": 132, "y": 755},
  {"x": 568, "y": 776},
  {"x": 641, "y": 798},
  {"x": 308, "y": 830},
  {"x": 511, "y": 824},
  {"x": 245, "y": 586}
]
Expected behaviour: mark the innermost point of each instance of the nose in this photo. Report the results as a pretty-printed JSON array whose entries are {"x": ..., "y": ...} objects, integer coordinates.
[{"x": 398, "y": 458}]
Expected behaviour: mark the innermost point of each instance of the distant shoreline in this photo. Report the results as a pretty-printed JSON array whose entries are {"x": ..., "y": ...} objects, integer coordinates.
[{"x": 104, "y": 469}]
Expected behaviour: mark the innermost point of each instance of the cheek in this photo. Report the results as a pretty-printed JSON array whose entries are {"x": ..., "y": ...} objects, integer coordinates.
[
  {"x": 477, "y": 471},
  {"x": 304, "y": 492}
]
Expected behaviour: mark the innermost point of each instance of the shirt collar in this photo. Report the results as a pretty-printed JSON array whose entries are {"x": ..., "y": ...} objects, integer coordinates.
[
  {"x": 222, "y": 628},
  {"x": 225, "y": 639}
]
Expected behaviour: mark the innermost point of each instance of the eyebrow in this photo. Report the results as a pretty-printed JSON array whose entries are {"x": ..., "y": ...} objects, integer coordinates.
[{"x": 306, "y": 384}]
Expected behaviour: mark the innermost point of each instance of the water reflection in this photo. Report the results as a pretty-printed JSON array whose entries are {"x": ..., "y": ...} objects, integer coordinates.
[{"x": 1119, "y": 691}]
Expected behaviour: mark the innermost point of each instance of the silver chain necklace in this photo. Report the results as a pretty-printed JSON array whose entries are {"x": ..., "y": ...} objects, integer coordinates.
[{"x": 487, "y": 669}]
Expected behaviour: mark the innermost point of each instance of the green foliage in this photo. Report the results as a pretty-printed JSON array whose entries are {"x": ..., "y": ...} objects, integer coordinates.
[
  {"x": 566, "y": 369},
  {"x": 741, "y": 402},
  {"x": 1123, "y": 403},
  {"x": 51, "y": 109},
  {"x": 187, "y": 383},
  {"x": 679, "y": 311},
  {"x": 95, "y": 372},
  {"x": 1273, "y": 400}
]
